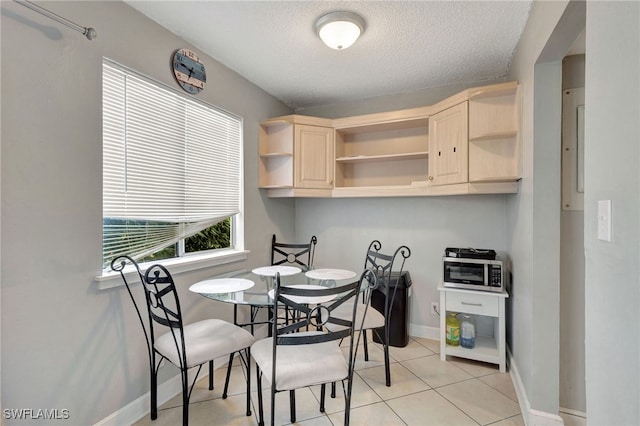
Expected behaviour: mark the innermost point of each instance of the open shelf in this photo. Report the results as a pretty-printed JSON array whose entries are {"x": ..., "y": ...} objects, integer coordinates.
[
  {"x": 494, "y": 145},
  {"x": 505, "y": 134},
  {"x": 391, "y": 153},
  {"x": 485, "y": 350},
  {"x": 385, "y": 157},
  {"x": 276, "y": 154}
]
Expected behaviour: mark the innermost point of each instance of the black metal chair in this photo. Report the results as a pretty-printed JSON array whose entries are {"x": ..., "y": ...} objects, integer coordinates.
[
  {"x": 185, "y": 346},
  {"x": 294, "y": 359},
  {"x": 388, "y": 269},
  {"x": 293, "y": 254},
  {"x": 288, "y": 254}
]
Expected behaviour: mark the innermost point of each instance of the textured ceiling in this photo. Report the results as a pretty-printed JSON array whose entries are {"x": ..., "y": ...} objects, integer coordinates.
[{"x": 406, "y": 45}]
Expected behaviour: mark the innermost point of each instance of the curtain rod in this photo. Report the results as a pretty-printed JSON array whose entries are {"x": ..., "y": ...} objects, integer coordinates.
[{"x": 88, "y": 32}]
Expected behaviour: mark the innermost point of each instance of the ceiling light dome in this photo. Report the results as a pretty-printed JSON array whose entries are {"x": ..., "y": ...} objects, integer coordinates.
[{"x": 339, "y": 30}]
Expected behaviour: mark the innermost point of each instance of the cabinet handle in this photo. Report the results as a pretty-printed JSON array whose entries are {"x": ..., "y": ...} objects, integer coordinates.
[
  {"x": 454, "y": 149},
  {"x": 471, "y": 304},
  {"x": 430, "y": 178}
]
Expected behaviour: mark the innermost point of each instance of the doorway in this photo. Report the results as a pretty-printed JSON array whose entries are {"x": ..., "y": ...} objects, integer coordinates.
[{"x": 572, "y": 386}]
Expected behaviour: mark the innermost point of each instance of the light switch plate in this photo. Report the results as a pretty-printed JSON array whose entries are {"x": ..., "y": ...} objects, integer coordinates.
[{"x": 604, "y": 220}]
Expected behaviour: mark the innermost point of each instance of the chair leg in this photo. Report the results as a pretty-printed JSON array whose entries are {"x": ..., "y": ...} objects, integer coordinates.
[
  {"x": 260, "y": 406},
  {"x": 323, "y": 388},
  {"x": 154, "y": 393},
  {"x": 185, "y": 398},
  {"x": 226, "y": 382},
  {"x": 248, "y": 354},
  {"x": 211, "y": 375},
  {"x": 292, "y": 405},
  {"x": 333, "y": 389},
  {"x": 366, "y": 346},
  {"x": 387, "y": 369},
  {"x": 347, "y": 402},
  {"x": 273, "y": 404}
]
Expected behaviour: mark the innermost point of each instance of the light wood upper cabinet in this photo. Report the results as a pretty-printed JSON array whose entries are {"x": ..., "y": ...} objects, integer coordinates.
[
  {"x": 275, "y": 152},
  {"x": 468, "y": 143},
  {"x": 448, "y": 161},
  {"x": 313, "y": 157},
  {"x": 494, "y": 131},
  {"x": 296, "y": 151}
]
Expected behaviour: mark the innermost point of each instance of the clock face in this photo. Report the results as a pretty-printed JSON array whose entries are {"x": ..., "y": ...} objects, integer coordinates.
[{"x": 189, "y": 71}]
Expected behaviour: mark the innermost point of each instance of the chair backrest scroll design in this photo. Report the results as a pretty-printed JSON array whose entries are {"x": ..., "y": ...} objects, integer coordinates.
[
  {"x": 387, "y": 268},
  {"x": 164, "y": 306},
  {"x": 317, "y": 315},
  {"x": 119, "y": 264},
  {"x": 293, "y": 253}
]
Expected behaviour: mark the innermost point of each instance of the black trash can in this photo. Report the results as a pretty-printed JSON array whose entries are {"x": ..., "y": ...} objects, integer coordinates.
[{"x": 399, "y": 322}]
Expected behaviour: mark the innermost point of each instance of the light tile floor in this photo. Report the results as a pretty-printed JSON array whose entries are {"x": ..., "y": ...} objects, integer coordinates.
[{"x": 424, "y": 391}]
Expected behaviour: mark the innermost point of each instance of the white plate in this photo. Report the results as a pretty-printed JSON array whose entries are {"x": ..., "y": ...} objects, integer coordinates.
[
  {"x": 221, "y": 285},
  {"x": 303, "y": 299},
  {"x": 330, "y": 274},
  {"x": 270, "y": 271}
]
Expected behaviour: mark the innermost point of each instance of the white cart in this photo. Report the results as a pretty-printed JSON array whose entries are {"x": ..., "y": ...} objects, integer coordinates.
[{"x": 490, "y": 349}]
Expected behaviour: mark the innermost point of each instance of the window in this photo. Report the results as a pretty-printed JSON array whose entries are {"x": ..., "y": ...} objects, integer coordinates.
[{"x": 172, "y": 172}]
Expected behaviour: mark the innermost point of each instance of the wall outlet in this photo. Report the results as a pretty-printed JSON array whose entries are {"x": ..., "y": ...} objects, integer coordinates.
[{"x": 434, "y": 308}]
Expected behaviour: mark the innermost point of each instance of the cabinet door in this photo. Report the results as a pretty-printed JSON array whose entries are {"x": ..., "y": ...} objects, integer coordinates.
[
  {"x": 448, "y": 145},
  {"x": 314, "y": 157}
]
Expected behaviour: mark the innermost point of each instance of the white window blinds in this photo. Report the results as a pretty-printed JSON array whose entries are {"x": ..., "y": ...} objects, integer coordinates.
[{"x": 171, "y": 165}]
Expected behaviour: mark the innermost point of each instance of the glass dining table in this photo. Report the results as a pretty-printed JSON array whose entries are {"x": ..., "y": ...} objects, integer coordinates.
[{"x": 255, "y": 287}]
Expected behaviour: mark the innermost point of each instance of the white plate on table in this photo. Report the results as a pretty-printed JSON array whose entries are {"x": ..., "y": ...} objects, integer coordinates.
[
  {"x": 221, "y": 285},
  {"x": 330, "y": 274},
  {"x": 306, "y": 300},
  {"x": 270, "y": 271}
]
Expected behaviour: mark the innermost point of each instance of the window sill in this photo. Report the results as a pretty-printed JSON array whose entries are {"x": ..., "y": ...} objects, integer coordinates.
[{"x": 111, "y": 279}]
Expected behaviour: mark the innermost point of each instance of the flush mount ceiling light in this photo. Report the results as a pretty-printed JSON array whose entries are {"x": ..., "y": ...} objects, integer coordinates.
[{"x": 339, "y": 30}]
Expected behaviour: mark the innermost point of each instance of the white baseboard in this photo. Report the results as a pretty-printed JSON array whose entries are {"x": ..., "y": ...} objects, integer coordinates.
[
  {"x": 530, "y": 416},
  {"x": 140, "y": 407},
  {"x": 427, "y": 332},
  {"x": 137, "y": 409},
  {"x": 573, "y": 412}
]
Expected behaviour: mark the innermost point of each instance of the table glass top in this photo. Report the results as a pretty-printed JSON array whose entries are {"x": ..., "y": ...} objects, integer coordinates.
[{"x": 258, "y": 294}]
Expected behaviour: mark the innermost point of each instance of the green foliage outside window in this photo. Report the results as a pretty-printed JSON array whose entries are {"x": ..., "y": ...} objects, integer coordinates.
[{"x": 215, "y": 237}]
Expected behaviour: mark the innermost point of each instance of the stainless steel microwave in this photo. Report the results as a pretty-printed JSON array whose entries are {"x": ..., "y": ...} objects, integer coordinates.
[{"x": 474, "y": 274}]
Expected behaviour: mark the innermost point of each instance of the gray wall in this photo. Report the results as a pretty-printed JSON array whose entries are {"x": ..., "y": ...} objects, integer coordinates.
[
  {"x": 611, "y": 172},
  {"x": 534, "y": 213},
  {"x": 612, "y": 153},
  {"x": 427, "y": 225},
  {"x": 66, "y": 344}
]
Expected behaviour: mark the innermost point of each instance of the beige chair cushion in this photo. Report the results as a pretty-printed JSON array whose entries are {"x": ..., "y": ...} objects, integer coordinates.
[
  {"x": 299, "y": 366},
  {"x": 204, "y": 341}
]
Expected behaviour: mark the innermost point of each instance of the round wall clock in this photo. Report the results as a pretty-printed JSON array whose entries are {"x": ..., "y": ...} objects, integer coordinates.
[{"x": 189, "y": 71}]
